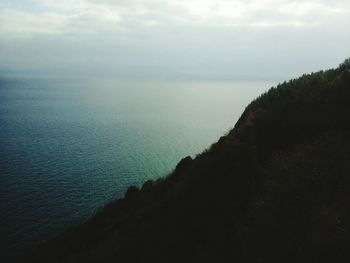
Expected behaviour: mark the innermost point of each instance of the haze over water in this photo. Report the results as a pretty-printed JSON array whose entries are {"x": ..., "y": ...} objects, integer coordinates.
[{"x": 68, "y": 146}]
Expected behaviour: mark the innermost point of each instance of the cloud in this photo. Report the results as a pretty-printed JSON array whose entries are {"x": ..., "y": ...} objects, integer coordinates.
[
  {"x": 18, "y": 23},
  {"x": 184, "y": 36},
  {"x": 93, "y": 16}
]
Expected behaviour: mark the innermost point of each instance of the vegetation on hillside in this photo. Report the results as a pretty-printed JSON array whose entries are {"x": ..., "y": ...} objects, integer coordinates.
[{"x": 274, "y": 189}]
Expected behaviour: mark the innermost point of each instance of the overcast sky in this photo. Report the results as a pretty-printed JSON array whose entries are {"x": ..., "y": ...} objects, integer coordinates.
[{"x": 174, "y": 38}]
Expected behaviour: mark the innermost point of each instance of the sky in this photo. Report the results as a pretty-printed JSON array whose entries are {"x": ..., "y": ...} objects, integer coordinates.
[{"x": 200, "y": 39}]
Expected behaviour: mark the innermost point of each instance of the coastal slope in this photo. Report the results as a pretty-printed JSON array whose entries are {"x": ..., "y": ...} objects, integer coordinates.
[{"x": 276, "y": 188}]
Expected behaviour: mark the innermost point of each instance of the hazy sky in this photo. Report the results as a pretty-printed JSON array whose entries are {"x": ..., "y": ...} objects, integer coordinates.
[{"x": 174, "y": 38}]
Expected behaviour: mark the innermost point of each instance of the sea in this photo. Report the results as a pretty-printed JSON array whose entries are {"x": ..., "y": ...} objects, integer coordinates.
[{"x": 70, "y": 145}]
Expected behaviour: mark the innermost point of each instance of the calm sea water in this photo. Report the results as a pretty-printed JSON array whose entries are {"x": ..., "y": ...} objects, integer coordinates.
[{"x": 69, "y": 146}]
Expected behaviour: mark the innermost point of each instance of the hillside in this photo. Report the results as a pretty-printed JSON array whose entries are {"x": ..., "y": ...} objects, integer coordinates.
[{"x": 276, "y": 188}]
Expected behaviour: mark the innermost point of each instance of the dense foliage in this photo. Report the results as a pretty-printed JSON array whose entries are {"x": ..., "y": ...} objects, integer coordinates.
[{"x": 275, "y": 189}]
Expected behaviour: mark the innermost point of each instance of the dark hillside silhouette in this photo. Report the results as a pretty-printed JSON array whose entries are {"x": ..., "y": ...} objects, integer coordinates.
[{"x": 276, "y": 188}]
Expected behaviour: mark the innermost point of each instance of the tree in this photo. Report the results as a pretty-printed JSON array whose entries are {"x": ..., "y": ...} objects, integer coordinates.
[{"x": 345, "y": 64}]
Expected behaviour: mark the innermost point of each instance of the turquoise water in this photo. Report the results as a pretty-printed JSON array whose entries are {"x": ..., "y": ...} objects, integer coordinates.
[{"x": 68, "y": 146}]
